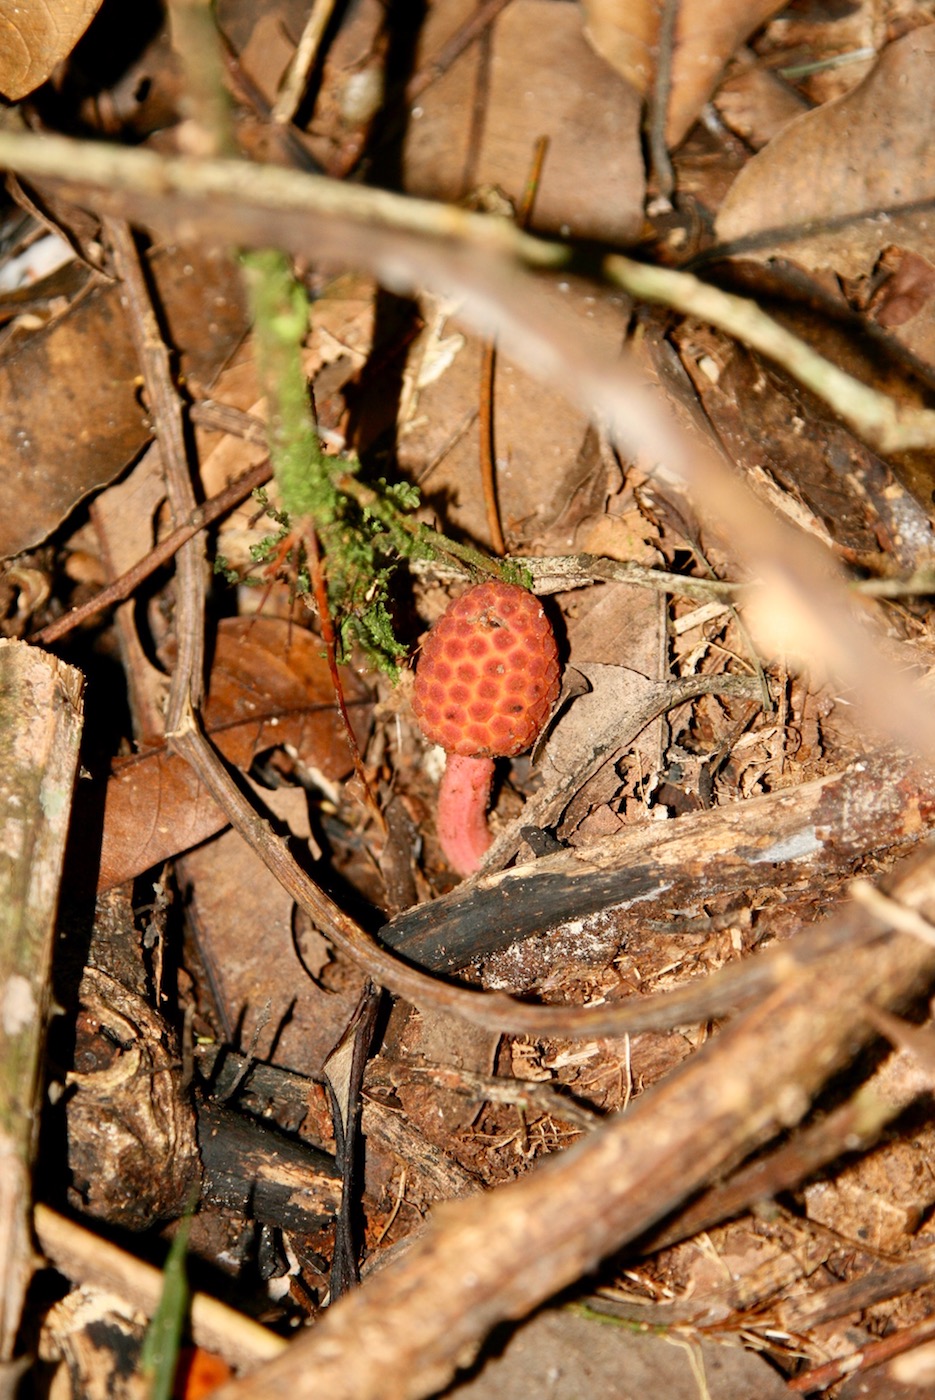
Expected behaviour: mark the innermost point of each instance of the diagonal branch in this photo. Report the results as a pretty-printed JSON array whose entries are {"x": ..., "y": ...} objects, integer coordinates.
[
  {"x": 405, "y": 1331},
  {"x": 411, "y": 245},
  {"x": 166, "y": 407}
]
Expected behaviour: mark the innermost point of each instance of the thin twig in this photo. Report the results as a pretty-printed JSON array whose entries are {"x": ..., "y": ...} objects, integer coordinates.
[
  {"x": 892, "y": 914},
  {"x": 127, "y": 583},
  {"x": 877, "y": 418},
  {"x": 469, "y": 32},
  {"x": 807, "y": 606},
  {"x": 194, "y": 33},
  {"x": 821, "y": 1378},
  {"x": 41, "y": 718},
  {"x": 187, "y": 684},
  {"x": 557, "y": 572},
  {"x": 488, "y": 371},
  {"x": 296, "y": 81},
  {"x": 149, "y": 175},
  {"x": 90, "y": 1260},
  {"x": 660, "y": 163},
  {"x": 889, "y": 426},
  {"x": 486, "y": 448},
  {"x": 496, "y": 1257},
  {"x": 853, "y": 1127},
  {"x": 307, "y": 533}
]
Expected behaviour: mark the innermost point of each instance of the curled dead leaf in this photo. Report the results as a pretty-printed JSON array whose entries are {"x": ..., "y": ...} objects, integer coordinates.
[{"x": 907, "y": 287}]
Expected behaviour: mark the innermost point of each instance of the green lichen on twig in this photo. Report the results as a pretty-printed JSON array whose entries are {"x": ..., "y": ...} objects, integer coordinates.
[
  {"x": 362, "y": 531},
  {"x": 280, "y": 316}
]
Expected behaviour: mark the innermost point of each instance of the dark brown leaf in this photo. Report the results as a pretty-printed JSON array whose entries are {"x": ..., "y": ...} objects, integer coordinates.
[{"x": 72, "y": 416}]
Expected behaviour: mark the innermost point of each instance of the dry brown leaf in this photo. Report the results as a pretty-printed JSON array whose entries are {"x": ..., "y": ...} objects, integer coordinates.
[
  {"x": 71, "y": 412},
  {"x": 260, "y": 981},
  {"x": 846, "y": 190},
  {"x": 542, "y": 80},
  {"x": 837, "y": 185},
  {"x": 35, "y": 35},
  {"x": 756, "y": 103},
  {"x": 269, "y": 686},
  {"x": 707, "y": 32}
]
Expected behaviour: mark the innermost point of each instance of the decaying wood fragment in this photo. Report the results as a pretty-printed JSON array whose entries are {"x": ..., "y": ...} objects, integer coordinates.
[
  {"x": 129, "y": 1106},
  {"x": 257, "y": 1173},
  {"x": 796, "y": 838},
  {"x": 40, "y": 729},
  {"x": 132, "y": 1150}
]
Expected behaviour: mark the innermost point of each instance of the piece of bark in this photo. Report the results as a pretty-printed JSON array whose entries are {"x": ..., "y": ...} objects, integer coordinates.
[
  {"x": 800, "y": 836},
  {"x": 406, "y": 1330},
  {"x": 263, "y": 1175},
  {"x": 286, "y": 1097},
  {"x": 736, "y": 985},
  {"x": 94, "y": 1339},
  {"x": 132, "y": 1150},
  {"x": 291, "y": 1101},
  {"x": 40, "y": 724}
]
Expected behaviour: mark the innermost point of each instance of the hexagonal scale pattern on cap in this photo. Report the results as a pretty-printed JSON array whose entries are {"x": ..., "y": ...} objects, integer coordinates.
[{"x": 488, "y": 673}]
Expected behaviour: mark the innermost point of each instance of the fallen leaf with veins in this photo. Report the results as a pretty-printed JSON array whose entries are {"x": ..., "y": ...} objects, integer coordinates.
[{"x": 269, "y": 686}]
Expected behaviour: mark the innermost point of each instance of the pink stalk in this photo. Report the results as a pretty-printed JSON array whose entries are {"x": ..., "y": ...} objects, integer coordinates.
[{"x": 462, "y": 811}]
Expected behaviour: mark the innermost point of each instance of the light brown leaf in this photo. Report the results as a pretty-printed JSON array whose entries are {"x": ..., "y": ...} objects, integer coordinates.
[
  {"x": 837, "y": 185},
  {"x": 756, "y": 103},
  {"x": 35, "y": 35},
  {"x": 543, "y": 80},
  {"x": 269, "y": 686},
  {"x": 707, "y": 32}
]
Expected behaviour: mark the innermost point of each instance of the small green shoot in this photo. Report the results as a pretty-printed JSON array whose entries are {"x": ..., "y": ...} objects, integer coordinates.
[{"x": 160, "y": 1352}]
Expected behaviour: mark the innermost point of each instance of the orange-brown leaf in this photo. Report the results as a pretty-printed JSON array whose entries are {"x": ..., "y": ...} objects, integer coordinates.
[
  {"x": 269, "y": 685},
  {"x": 34, "y": 38}
]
